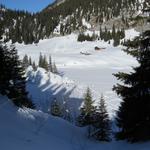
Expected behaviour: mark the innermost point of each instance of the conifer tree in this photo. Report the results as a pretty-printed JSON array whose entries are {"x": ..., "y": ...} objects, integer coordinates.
[
  {"x": 133, "y": 116},
  {"x": 25, "y": 61},
  {"x": 101, "y": 33},
  {"x": 44, "y": 63},
  {"x": 56, "y": 108},
  {"x": 50, "y": 64},
  {"x": 18, "y": 91},
  {"x": 55, "y": 68},
  {"x": 34, "y": 66},
  {"x": 40, "y": 60},
  {"x": 30, "y": 61},
  {"x": 4, "y": 69},
  {"x": 12, "y": 80},
  {"x": 113, "y": 31},
  {"x": 102, "y": 122},
  {"x": 116, "y": 41},
  {"x": 87, "y": 111}
]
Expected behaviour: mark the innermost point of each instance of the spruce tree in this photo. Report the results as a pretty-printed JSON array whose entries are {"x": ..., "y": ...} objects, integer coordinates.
[
  {"x": 56, "y": 108},
  {"x": 101, "y": 33},
  {"x": 50, "y": 64},
  {"x": 45, "y": 63},
  {"x": 102, "y": 122},
  {"x": 55, "y": 70},
  {"x": 4, "y": 69},
  {"x": 34, "y": 66},
  {"x": 25, "y": 61},
  {"x": 133, "y": 116},
  {"x": 113, "y": 31},
  {"x": 116, "y": 41},
  {"x": 40, "y": 60},
  {"x": 18, "y": 91},
  {"x": 87, "y": 111},
  {"x": 30, "y": 61},
  {"x": 12, "y": 80}
]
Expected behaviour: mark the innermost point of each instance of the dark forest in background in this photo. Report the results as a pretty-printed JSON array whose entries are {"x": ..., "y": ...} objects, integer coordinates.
[{"x": 21, "y": 26}]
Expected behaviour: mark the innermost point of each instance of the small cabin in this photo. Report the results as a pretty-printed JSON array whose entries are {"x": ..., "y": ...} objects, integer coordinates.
[{"x": 99, "y": 48}]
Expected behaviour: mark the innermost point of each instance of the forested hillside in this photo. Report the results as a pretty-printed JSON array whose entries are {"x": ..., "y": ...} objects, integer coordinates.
[{"x": 65, "y": 17}]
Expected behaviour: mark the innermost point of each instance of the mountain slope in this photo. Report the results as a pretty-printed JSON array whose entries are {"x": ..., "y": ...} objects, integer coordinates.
[
  {"x": 29, "y": 129},
  {"x": 68, "y": 16}
]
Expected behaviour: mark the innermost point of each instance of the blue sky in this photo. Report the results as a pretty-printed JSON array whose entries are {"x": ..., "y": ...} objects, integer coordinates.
[{"x": 29, "y": 5}]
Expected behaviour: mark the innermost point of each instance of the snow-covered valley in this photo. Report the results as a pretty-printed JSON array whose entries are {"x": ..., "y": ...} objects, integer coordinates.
[
  {"x": 28, "y": 129},
  {"x": 94, "y": 70}
]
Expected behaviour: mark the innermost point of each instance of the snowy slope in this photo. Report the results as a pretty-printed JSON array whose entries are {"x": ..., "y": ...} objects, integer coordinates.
[
  {"x": 27, "y": 129},
  {"x": 44, "y": 87},
  {"x": 66, "y": 52},
  {"x": 94, "y": 70},
  {"x": 35, "y": 130}
]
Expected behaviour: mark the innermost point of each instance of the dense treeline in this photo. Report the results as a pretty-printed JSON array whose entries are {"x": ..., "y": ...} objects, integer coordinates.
[
  {"x": 49, "y": 65},
  {"x": 82, "y": 37},
  {"x": 116, "y": 35},
  {"x": 21, "y": 26}
]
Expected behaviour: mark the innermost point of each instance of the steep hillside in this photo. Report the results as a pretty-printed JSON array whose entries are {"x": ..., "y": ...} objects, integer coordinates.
[
  {"x": 44, "y": 87},
  {"x": 28, "y": 129},
  {"x": 65, "y": 17}
]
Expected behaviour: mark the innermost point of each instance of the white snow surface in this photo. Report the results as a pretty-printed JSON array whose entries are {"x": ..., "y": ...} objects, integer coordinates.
[
  {"x": 86, "y": 24},
  {"x": 27, "y": 129},
  {"x": 44, "y": 87},
  {"x": 131, "y": 34},
  {"x": 94, "y": 70}
]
